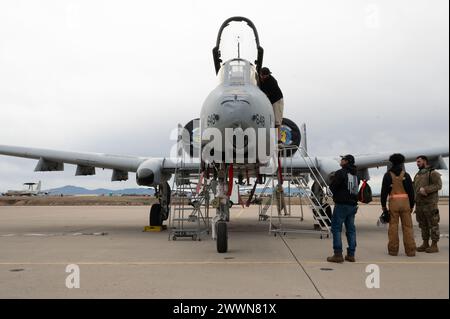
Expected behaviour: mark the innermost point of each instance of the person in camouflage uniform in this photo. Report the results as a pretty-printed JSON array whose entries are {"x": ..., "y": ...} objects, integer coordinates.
[{"x": 427, "y": 183}]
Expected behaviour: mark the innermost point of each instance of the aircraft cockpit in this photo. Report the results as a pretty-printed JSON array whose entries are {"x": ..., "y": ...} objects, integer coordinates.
[{"x": 238, "y": 72}]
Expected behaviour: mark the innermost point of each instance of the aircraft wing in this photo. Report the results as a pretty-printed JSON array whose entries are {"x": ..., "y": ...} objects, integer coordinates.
[
  {"x": 327, "y": 165},
  {"x": 53, "y": 160},
  {"x": 435, "y": 156}
]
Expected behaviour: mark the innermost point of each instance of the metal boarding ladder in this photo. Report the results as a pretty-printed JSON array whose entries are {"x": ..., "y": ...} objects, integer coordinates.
[
  {"x": 189, "y": 216},
  {"x": 319, "y": 212},
  {"x": 312, "y": 168},
  {"x": 301, "y": 183},
  {"x": 264, "y": 203}
]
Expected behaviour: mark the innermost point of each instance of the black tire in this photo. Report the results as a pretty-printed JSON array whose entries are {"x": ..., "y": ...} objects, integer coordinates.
[
  {"x": 155, "y": 215},
  {"x": 222, "y": 237},
  {"x": 292, "y": 134}
]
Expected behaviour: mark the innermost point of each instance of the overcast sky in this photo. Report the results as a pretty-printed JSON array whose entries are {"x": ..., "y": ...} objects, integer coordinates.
[{"x": 117, "y": 76}]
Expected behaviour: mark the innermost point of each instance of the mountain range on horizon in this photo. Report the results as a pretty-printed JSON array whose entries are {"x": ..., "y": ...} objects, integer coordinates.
[{"x": 76, "y": 190}]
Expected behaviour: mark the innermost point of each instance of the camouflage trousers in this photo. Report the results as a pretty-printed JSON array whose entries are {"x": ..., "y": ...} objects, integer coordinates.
[{"x": 428, "y": 218}]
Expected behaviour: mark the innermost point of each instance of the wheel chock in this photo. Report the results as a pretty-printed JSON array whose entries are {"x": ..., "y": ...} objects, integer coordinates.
[{"x": 154, "y": 228}]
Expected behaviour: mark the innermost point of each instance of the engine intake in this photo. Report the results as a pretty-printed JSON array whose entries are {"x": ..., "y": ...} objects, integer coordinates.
[{"x": 149, "y": 173}]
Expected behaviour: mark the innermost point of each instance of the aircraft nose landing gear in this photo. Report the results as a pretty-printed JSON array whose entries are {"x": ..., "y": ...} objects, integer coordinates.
[
  {"x": 220, "y": 227},
  {"x": 222, "y": 237}
]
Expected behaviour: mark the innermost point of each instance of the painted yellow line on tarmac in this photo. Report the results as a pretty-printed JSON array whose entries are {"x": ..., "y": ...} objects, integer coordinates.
[
  {"x": 187, "y": 263},
  {"x": 157, "y": 263},
  {"x": 383, "y": 262}
]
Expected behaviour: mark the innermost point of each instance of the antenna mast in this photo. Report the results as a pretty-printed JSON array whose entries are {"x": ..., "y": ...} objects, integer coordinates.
[{"x": 239, "y": 48}]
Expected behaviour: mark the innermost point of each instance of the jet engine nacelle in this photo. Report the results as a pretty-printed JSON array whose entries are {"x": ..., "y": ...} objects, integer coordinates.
[
  {"x": 149, "y": 173},
  {"x": 327, "y": 167},
  {"x": 191, "y": 138},
  {"x": 290, "y": 135}
]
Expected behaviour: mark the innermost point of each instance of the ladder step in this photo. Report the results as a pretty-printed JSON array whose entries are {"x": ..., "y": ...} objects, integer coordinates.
[{"x": 193, "y": 219}]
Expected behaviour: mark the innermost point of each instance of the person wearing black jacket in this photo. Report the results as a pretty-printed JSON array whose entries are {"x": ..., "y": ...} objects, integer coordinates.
[
  {"x": 269, "y": 85},
  {"x": 344, "y": 187},
  {"x": 398, "y": 186}
]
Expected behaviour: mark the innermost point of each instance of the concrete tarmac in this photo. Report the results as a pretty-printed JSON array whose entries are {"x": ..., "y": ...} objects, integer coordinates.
[{"x": 117, "y": 259}]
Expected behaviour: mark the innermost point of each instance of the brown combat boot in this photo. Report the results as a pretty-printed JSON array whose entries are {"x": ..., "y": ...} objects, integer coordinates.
[
  {"x": 336, "y": 258},
  {"x": 350, "y": 258},
  {"x": 393, "y": 253},
  {"x": 433, "y": 248},
  {"x": 424, "y": 246}
]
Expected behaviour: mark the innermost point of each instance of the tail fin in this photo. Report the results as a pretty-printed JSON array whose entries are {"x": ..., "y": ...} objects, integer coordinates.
[{"x": 303, "y": 140}]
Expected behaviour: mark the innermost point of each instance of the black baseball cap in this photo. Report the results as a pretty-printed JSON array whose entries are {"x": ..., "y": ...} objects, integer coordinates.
[
  {"x": 265, "y": 71},
  {"x": 348, "y": 158}
]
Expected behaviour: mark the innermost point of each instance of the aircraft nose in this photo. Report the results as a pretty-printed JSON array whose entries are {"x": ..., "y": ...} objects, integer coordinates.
[{"x": 236, "y": 112}]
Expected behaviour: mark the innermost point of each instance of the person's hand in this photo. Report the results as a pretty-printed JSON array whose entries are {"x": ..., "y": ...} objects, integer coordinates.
[{"x": 423, "y": 192}]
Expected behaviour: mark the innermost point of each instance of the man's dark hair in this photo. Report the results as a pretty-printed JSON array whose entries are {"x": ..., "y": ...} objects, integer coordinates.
[
  {"x": 265, "y": 71},
  {"x": 349, "y": 158},
  {"x": 397, "y": 159},
  {"x": 423, "y": 157}
]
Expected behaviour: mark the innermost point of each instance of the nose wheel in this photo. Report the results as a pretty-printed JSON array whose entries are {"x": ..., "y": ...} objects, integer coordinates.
[{"x": 222, "y": 237}]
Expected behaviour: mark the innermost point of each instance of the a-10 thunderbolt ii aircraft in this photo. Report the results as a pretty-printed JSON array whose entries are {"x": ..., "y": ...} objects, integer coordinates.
[{"x": 236, "y": 104}]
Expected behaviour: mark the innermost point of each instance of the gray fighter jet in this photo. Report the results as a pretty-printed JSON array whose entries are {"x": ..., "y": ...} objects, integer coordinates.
[{"x": 238, "y": 104}]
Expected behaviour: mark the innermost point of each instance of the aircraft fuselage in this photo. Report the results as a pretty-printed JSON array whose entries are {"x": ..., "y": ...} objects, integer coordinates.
[{"x": 238, "y": 106}]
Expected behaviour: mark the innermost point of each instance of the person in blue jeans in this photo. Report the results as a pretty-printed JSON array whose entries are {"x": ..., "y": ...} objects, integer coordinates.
[{"x": 344, "y": 186}]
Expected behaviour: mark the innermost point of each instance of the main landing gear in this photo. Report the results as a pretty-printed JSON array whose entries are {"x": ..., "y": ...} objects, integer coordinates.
[{"x": 160, "y": 212}]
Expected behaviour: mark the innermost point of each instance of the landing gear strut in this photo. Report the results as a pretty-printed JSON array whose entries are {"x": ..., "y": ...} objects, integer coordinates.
[
  {"x": 223, "y": 207},
  {"x": 160, "y": 212}
]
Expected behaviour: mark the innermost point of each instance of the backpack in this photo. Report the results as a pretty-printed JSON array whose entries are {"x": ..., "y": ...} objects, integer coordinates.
[{"x": 365, "y": 193}]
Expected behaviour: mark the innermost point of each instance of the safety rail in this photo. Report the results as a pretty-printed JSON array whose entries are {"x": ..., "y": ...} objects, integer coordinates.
[{"x": 300, "y": 180}]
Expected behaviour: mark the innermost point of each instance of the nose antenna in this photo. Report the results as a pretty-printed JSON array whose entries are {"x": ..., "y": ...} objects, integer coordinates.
[
  {"x": 216, "y": 51},
  {"x": 239, "y": 51}
]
